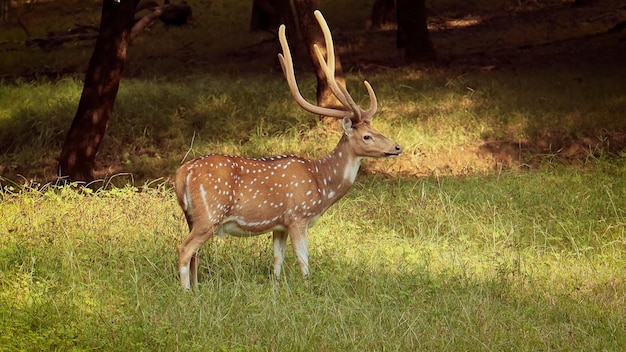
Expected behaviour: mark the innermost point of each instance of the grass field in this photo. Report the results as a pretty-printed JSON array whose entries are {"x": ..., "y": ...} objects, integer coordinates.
[
  {"x": 511, "y": 261},
  {"x": 501, "y": 227}
]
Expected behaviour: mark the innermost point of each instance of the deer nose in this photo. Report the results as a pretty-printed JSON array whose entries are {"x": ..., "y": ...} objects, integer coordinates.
[{"x": 397, "y": 149}]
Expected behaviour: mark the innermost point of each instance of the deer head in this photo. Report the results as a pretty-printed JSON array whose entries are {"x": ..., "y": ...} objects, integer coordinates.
[{"x": 224, "y": 194}]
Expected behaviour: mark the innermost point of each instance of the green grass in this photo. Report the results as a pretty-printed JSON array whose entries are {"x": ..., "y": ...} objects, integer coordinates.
[
  {"x": 512, "y": 261},
  {"x": 156, "y": 121}
]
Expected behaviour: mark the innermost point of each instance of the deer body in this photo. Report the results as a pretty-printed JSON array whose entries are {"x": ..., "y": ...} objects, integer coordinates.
[
  {"x": 224, "y": 194},
  {"x": 288, "y": 189}
]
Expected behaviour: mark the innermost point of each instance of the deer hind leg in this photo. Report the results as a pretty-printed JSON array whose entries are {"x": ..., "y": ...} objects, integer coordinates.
[
  {"x": 188, "y": 254},
  {"x": 279, "y": 240},
  {"x": 193, "y": 268},
  {"x": 298, "y": 234}
]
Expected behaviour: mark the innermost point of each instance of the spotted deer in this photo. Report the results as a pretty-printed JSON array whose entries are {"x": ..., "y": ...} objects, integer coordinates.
[{"x": 225, "y": 194}]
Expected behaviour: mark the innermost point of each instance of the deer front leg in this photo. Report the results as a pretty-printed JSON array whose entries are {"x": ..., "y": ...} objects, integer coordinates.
[
  {"x": 298, "y": 233},
  {"x": 279, "y": 240}
]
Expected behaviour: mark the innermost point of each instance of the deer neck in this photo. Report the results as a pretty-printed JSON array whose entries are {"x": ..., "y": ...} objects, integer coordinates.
[{"x": 337, "y": 171}]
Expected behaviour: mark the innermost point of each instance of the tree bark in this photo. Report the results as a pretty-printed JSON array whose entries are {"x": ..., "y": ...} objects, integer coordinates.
[
  {"x": 312, "y": 34},
  {"x": 102, "y": 81},
  {"x": 383, "y": 14},
  {"x": 412, "y": 34},
  {"x": 4, "y": 10},
  {"x": 267, "y": 15}
]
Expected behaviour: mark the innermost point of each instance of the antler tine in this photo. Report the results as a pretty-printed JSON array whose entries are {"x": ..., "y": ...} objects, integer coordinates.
[
  {"x": 328, "y": 66},
  {"x": 339, "y": 91},
  {"x": 369, "y": 113},
  {"x": 286, "y": 62}
]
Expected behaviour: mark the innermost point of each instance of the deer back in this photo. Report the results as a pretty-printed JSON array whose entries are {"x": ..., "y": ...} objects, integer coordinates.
[{"x": 252, "y": 195}]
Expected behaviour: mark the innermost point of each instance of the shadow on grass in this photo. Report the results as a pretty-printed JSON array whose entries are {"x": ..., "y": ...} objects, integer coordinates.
[
  {"x": 125, "y": 303},
  {"x": 400, "y": 305},
  {"x": 526, "y": 93},
  {"x": 84, "y": 275}
]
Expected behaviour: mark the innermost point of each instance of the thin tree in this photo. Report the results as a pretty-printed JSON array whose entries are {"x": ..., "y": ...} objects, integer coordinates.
[
  {"x": 5, "y": 5},
  {"x": 102, "y": 81},
  {"x": 412, "y": 34},
  {"x": 267, "y": 15},
  {"x": 118, "y": 27},
  {"x": 383, "y": 14}
]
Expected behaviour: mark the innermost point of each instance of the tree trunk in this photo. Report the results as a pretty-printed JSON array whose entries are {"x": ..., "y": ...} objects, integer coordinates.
[
  {"x": 102, "y": 81},
  {"x": 581, "y": 3},
  {"x": 412, "y": 34},
  {"x": 383, "y": 14},
  {"x": 4, "y": 10},
  {"x": 312, "y": 34},
  {"x": 267, "y": 15}
]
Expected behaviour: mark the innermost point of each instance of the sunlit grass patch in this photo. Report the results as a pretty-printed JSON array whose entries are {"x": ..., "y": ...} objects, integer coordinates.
[
  {"x": 439, "y": 121},
  {"x": 505, "y": 261}
]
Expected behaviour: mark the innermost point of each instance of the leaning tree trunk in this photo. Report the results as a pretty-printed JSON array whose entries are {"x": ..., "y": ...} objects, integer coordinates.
[
  {"x": 102, "y": 81},
  {"x": 412, "y": 34},
  {"x": 312, "y": 34}
]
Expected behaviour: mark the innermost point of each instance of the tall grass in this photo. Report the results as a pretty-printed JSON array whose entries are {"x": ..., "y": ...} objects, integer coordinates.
[{"x": 512, "y": 261}]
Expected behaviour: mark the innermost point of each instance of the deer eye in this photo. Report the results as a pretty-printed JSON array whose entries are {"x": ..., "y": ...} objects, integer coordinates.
[{"x": 367, "y": 137}]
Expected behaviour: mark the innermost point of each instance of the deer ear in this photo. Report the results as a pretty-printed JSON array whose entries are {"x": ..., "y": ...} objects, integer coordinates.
[{"x": 346, "y": 123}]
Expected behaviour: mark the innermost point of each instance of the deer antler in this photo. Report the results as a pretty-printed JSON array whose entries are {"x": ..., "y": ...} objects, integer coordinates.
[{"x": 354, "y": 112}]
